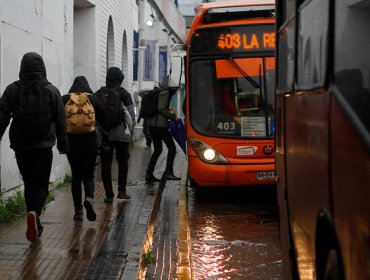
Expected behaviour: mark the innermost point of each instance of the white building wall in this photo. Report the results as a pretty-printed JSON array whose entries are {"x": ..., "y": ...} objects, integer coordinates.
[
  {"x": 123, "y": 21},
  {"x": 44, "y": 27},
  {"x": 72, "y": 38},
  {"x": 84, "y": 41}
]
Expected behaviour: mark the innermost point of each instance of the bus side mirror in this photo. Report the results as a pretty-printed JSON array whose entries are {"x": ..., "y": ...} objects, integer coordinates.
[{"x": 175, "y": 72}]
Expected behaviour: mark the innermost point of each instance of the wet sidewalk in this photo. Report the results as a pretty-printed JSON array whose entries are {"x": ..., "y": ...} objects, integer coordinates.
[{"x": 113, "y": 246}]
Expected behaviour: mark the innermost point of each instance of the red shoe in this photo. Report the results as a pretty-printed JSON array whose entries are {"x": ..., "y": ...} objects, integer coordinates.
[{"x": 32, "y": 231}]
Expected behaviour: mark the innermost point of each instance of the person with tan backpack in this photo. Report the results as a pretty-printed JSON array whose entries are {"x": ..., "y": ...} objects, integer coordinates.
[{"x": 84, "y": 111}]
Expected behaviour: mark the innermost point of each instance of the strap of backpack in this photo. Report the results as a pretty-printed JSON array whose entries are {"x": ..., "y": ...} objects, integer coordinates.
[{"x": 78, "y": 99}]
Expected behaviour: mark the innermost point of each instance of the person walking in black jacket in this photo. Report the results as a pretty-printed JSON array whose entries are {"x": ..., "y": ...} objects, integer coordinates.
[
  {"x": 82, "y": 153},
  {"x": 119, "y": 138},
  {"x": 38, "y": 121}
]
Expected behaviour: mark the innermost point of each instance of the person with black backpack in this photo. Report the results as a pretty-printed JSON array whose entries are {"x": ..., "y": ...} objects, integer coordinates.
[
  {"x": 120, "y": 107},
  {"x": 84, "y": 111},
  {"x": 155, "y": 106},
  {"x": 36, "y": 107}
]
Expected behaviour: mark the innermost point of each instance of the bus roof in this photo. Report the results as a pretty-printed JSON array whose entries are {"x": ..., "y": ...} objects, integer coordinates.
[
  {"x": 202, "y": 7},
  {"x": 227, "y": 11}
]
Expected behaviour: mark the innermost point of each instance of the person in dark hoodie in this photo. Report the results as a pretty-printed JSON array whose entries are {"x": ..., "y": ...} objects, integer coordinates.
[
  {"x": 38, "y": 123},
  {"x": 118, "y": 138},
  {"x": 83, "y": 151}
]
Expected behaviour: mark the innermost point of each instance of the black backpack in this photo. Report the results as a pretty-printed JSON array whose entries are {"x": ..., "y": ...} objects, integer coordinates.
[
  {"x": 32, "y": 116},
  {"x": 113, "y": 105},
  {"x": 149, "y": 103}
]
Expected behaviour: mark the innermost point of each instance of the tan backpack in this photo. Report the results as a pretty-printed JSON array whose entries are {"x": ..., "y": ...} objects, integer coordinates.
[{"x": 80, "y": 114}]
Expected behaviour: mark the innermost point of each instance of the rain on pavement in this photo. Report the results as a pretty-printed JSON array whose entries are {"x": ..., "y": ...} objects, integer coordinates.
[{"x": 234, "y": 233}]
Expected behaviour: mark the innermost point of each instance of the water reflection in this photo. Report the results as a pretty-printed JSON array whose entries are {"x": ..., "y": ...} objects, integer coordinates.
[
  {"x": 232, "y": 238},
  {"x": 29, "y": 269}
]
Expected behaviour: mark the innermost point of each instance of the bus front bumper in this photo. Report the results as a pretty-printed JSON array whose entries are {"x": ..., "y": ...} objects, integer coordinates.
[{"x": 205, "y": 174}]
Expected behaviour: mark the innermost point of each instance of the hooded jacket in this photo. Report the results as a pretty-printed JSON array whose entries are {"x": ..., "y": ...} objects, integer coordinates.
[
  {"x": 163, "y": 116},
  {"x": 120, "y": 133},
  {"x": 114, "y": 80},
  {"x": 80, "y": 85},
  {"x": 32, "y": 70}
]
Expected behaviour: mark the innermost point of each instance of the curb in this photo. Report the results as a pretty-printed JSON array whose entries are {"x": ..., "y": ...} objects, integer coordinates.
[
  {"x": 148, "y": 243},
  {"x": 183, "y": 235},
  {"x": 184, "y": 265}
]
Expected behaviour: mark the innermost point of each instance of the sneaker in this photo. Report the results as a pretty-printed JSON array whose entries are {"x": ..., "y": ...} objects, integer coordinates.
[
  {"x": 170, "y": 176},
  {"x": 79, "y": 215},
  {"x": 90, "y": 213},
  {"x": 40, "y": 230},
  {"x": 32, "y": 231},
  {"x": 151, "y": 179},
  {"x": 123, "y": 195},
  {"x": 108, "y": 200}
]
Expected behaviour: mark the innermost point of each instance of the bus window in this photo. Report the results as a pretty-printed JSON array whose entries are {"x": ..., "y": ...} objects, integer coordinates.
[
  {"x": 312, "y": 46},
  {"x": 233, "y": 97},
  {"x": 352, "y": 68}
]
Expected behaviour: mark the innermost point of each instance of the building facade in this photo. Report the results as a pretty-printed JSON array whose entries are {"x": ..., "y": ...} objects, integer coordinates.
[{"x": 75, "y": 37}]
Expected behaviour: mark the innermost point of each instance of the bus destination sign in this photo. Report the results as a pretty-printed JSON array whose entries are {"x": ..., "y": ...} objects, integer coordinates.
[{"x": 250, "y": 38}]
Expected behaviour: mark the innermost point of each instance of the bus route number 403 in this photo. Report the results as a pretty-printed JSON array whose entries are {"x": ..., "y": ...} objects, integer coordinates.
[
  {"x": 265, "y": 175},
  {"x": 226, "y": 126}
]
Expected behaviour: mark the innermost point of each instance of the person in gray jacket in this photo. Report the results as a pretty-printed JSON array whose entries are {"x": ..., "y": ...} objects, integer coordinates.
[
  {"x": 158, "y": 129},
  {"x": 119, "y": 138}
]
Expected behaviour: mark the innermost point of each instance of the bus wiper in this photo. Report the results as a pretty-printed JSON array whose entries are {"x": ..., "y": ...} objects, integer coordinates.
[{"x": 246, "y": 76}]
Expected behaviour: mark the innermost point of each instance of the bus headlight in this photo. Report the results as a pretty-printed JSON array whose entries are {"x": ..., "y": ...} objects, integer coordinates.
[
  {"x": 209, "y": 154},
  {"x": 206, "y": 153}
]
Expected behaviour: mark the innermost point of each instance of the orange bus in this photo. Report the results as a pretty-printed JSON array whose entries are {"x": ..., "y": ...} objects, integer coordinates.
[
  {"x": 230, "y": 81},
  {"x": 323, "y": 137}
]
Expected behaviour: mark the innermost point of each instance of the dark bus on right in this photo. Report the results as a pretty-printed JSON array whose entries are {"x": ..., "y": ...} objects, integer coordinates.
[{"x": 323, "y": 137}]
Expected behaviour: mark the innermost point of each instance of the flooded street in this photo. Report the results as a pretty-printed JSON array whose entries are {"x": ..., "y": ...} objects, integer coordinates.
[{"x": 234, "y": 233}]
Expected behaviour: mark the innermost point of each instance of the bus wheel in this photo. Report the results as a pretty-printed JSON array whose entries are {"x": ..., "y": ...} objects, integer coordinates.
[
  {"x": 333, "y": 267},
  {"x": 194, "y": 185}
]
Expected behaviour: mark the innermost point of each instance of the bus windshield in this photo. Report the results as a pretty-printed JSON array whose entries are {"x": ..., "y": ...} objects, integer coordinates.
[{"x": 233, "y": 97}]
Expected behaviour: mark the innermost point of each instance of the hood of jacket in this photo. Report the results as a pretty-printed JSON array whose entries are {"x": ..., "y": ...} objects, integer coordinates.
[
  {"x": 80, "y": 84},
  {"x": 114, "y": 77},
  {"x": 32, "y": 67}
]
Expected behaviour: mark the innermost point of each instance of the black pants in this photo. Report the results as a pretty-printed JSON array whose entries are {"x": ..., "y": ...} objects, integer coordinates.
[
  {"x": 82, "y": 157},
  {"x": 122, "y": 156},
  {"x": 160, "y": 134},
  {"x": 35, "y": 168},
  {"x": 146, "y": 132}
]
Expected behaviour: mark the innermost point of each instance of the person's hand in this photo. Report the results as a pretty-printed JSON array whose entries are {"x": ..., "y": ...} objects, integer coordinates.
[
  {"x": 173, "y": 113},
  {"x": 104, "y": 146}
]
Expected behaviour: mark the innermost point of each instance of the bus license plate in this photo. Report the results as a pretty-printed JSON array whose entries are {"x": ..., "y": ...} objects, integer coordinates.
[{"x": 267, "y": 175}]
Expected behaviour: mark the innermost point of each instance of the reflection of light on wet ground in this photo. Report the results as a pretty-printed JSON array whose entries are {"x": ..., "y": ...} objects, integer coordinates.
[
  {"x": 210, "y": 229},
  {"x": 234, "y": 241},
  {"x": 220, "y": 259}
]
